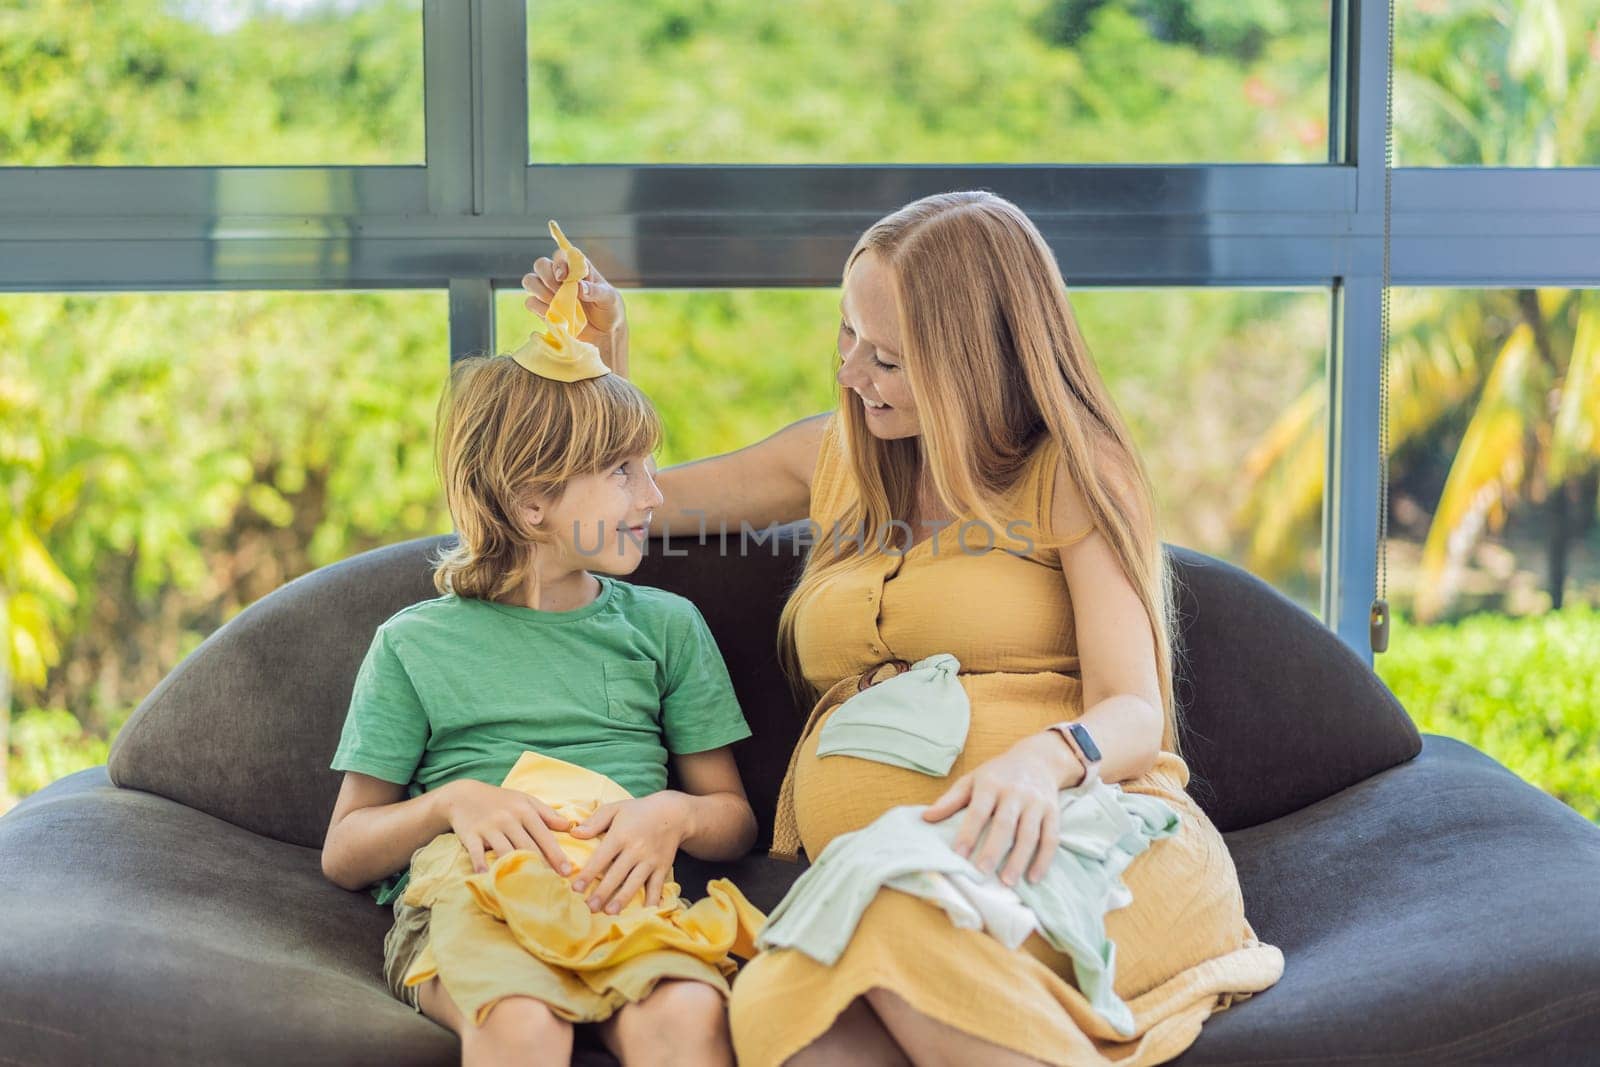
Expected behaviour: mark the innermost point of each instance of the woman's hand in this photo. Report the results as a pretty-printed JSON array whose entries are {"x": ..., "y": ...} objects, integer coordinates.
[
  {"x": 488, "y": 817},
  {"x": 642, "y": 839},
  {"x": 601, "y": 301},
  {"x": 1015, "y": 796}
]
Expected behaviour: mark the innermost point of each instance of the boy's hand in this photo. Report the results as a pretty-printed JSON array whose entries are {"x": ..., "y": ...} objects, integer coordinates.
[
  {"x": 642, "y": 839},
  {"x": 488, "y": 817}
]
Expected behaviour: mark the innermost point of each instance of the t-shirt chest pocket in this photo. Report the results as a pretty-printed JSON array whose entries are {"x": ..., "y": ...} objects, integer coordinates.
[{"x": 631, "y": 693}]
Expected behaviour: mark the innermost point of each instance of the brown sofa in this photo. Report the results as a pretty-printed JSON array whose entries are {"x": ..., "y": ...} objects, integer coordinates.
[{"x": 169, "y": 907}]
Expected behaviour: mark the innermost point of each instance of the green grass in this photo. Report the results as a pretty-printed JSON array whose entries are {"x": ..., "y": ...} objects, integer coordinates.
[{"x": 1524, "y": 690}]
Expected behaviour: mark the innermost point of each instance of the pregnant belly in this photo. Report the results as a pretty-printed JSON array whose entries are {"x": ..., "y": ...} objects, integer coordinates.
[{"x": 835, "y": 795}]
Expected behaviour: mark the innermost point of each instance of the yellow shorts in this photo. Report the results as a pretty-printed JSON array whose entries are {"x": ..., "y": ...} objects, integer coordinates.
[
  {"x": 507, "y": 969},
  {"x": 400, "y": 947},
  {"x": 518, "y": 929}
]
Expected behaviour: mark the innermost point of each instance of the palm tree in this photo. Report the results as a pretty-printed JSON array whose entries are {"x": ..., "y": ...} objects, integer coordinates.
[{"x": 1528, "y": 361}]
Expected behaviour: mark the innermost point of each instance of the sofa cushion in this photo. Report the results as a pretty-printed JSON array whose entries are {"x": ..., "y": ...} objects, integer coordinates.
[
  {"x": 139, "y": 931},
  {"x": 1278, "y": 712},
  {"x": 244, "y": 728},
  {"x": 1440, "y": 912}
]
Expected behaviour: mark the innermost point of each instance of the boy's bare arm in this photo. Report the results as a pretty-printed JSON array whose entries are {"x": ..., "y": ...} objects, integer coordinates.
[
  {"x": 374, "y": 829},
  {"x": 373, "y": 832},
  {"x": 721, "y": 824}
]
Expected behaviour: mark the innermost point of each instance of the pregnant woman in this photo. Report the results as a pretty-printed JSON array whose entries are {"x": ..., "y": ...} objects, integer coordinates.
[{"x": 977, "y": 494}]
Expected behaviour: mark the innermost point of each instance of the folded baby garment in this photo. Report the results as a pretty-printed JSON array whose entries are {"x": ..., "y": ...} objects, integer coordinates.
[
  {"x": 518, "y": 928},
  {"x": 1102, "y": 829},
  {"x": 989, "y": 905},
  {"x": 918, "y": 719}
]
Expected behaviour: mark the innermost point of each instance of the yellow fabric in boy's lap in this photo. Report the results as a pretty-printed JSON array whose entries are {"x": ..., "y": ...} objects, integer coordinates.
[{"x": 519, "y": 929}]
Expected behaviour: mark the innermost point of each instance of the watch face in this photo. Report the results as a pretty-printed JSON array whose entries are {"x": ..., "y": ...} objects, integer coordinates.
[{"x": 1080, "y": 734}]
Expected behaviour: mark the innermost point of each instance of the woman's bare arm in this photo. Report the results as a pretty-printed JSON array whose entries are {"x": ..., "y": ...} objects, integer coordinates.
[{"x": 764, "y": 484}]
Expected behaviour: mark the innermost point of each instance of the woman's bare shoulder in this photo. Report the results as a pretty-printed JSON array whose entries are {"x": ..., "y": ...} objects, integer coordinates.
[
  {"x": 802, "y": 445},
  {"x": 1069, "y": 510}
]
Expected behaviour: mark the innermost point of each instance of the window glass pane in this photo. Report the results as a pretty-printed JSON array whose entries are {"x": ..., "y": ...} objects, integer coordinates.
[
  {"x": 979, "y": 81},
  {"x": 1239, "y": 374},
  {"x": 1511, "y": 83},
  {"x": 167, "y": 459},
  {"x": 1494, "y": 543},
  {"x": 1225, "y": 391},
  {"x": 211, "y": 82}
]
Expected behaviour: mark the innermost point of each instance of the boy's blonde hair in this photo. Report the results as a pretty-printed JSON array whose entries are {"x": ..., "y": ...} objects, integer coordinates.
[
  {"x": 503, "y": 434},
  {"x": 995, "y": 361}
]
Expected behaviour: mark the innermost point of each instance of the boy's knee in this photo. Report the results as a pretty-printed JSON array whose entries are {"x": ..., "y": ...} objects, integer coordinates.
[
  {"x": 687, "y": 996},
  {"x": 523, "y": 1018},
  {"x": 678, "y": 1007}
]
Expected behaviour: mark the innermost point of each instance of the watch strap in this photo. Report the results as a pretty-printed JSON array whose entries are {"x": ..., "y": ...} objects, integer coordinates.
[{"x": 1077, "y": 737}]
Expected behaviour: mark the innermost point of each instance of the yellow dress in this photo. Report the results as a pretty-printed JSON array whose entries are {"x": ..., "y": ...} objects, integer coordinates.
[
  {"x": 1184, "y": 948},
  {"x": 518, "y": 929}
]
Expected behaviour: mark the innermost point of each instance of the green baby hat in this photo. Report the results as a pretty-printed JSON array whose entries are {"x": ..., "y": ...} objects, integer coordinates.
[{"x": 917, "y": 720}]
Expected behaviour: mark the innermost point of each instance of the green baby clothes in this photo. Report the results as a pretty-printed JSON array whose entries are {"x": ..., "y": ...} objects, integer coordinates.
[
  {"x": 1102, "y": 829},
  {"x": 917, "y": 720},
  {"x": 990, "y": 906}
]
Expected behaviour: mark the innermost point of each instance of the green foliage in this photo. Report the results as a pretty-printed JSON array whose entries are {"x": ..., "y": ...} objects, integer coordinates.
[
  {"x": 837, "y": 81},
  {"x": 1238, "y": 29},
  {"x": 135, "y": 83},
  {"x": 1498, "y": 82},
  {"x": 178, "y": 456},
  {"x": 1522, "y": 690},
  {"x": 50, "y": 743},
  {"x": 33, "y": 590}
]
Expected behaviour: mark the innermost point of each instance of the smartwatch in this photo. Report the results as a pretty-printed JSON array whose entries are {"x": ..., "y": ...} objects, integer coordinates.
[{"x": 1077, "y": 737}]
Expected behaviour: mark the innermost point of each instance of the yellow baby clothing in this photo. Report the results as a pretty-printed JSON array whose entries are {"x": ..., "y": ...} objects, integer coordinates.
[
  {"x": 557, "y": 353},
  {"x": 519, "y": 929}
]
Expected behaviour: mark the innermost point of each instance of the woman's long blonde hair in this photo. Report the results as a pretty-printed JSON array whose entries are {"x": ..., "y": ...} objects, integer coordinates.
[
  {"x": 503, "y": 434},
  {"x": 994, "y": 359}
]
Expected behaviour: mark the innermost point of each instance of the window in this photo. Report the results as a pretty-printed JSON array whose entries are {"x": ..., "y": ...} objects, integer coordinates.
[
  {"x": 1226, "y": 395},
  {"x": 211, "y": 82},
  {"x": 1494, "y": 547},
  {"x": 167, "y": 459},
  {"x": 1505, "y": 84},
  {"x": 938, "y": 81}
]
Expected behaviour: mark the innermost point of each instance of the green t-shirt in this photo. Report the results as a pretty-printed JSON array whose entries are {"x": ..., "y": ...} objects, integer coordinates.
[{"x": 459, "y": 687}]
